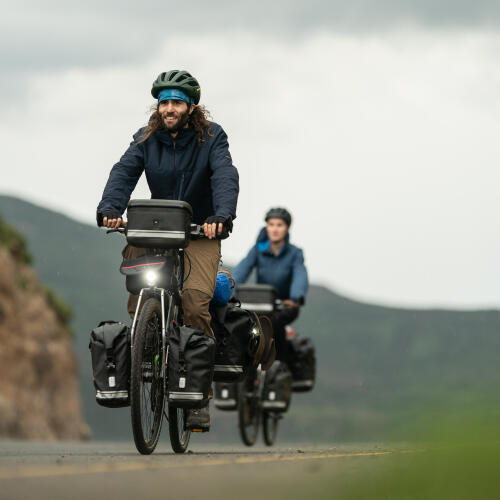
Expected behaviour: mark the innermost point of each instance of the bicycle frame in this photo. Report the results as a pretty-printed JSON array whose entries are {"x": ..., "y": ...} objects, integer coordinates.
[{"x": 168, "y": 310}]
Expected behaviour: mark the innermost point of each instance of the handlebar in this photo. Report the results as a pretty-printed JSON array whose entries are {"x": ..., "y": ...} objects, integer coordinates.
[{"x": 195, "y": 230}]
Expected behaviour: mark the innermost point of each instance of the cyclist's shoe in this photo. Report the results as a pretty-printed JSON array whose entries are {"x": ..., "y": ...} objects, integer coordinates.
[{"x": 198, "y": 420}]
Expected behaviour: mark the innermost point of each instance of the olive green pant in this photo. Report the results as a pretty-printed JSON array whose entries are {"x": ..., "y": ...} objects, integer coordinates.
[{"x": 201, "y": 262}]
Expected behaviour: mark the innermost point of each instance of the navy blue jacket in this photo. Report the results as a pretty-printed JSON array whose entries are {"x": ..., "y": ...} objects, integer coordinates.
[
  {"x": 285, "y": 271},
  {"x": 177, "y": 169}
]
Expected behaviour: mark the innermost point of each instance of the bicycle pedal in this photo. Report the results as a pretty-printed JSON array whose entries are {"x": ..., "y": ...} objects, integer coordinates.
[{"x": 200, "y": 430}]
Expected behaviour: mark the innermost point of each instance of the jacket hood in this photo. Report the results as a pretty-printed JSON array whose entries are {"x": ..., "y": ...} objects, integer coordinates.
[{"x": 263, "y": 242}]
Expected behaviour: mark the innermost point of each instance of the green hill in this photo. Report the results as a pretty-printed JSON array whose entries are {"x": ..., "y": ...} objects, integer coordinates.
[{"x": 377, "y": 365}]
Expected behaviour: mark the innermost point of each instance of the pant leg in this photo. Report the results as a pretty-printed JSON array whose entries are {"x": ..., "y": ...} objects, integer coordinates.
[
  {"x": 201, "y": 263},
  {"x": 280, "y": 319}
]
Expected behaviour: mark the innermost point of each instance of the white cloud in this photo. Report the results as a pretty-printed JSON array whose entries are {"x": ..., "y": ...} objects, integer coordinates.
[{"x": 384, "y": 147}]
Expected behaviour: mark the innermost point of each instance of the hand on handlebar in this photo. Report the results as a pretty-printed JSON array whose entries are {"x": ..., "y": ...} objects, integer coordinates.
[
  {"x": 215, "y": 225},
  {"x": 113, "y": 223},
  {"x": 290, "y": 303}
]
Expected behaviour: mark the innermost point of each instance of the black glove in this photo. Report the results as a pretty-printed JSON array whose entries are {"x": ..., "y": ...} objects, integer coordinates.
[
  {"x": 110, "y": 214},
  {"x": 227, "y": 222}
]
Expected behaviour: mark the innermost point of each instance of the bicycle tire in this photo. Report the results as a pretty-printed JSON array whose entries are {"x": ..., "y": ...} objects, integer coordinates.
[
  {"x": 269, "y": 428},
  {"x": 179, "y": 435},
  {"x": 147, "y": 354},
  {"x": 248, "y": 414}
]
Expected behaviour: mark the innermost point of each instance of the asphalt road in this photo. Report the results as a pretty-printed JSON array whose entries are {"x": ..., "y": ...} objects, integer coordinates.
[{"x": 97, "y": 470}]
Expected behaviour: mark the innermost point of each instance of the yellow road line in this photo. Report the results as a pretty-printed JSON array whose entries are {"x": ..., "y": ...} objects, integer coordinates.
[{"x": 79, "y": 469}]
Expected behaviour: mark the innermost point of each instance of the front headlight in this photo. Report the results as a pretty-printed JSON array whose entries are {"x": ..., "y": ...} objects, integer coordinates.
[{"x": 151, "y": 278}]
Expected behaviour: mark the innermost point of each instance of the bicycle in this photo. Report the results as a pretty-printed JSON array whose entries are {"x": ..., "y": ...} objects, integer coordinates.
[
  {"x": 162, "y": 273},
  {"x": 252, "y": 410}
]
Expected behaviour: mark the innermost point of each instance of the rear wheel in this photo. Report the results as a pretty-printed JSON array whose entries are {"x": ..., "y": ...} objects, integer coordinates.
[
  {"x": 179, "y": 435},
  {"x": 270, "y": 427},
  {"x": 248, "y": 410},
  {"x": 146, "y": 384}
]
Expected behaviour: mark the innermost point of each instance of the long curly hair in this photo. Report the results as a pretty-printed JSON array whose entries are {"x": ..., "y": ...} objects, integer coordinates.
[{"x": 198, "y": 119}]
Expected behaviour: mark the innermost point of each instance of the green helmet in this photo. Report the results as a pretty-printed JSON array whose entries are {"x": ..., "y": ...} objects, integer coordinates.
[{"x": 175, "y": 79}]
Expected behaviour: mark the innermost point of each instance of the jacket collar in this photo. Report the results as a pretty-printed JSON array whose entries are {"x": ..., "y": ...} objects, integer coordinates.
[
  {"x": 264, "y": 245},
  {"x": 183, "y": 138}
]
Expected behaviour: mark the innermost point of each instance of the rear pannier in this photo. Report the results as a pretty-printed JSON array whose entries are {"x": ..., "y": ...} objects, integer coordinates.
[
  {"x": 234, "y": 333},
  {"x": 110, "y": 351},
  {"x": 158, "y": 223},
  {"x": 226, "y": 396},
  {"x": 303, "y": 363},
  {"x": 191, "y": 356},
  {"x": 277, "y": 388}
]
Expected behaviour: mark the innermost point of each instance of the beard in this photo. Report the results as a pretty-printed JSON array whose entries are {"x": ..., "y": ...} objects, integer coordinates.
[{"x": 181, "y": 122}]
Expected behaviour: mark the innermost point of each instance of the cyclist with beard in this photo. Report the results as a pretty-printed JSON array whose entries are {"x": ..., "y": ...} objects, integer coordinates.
[
  {"x": 184, "y": 157},
  {"x": 281, "y": 264}
]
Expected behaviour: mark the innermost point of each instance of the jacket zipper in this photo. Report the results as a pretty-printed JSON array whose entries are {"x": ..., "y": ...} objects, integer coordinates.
[{"x": 181, "y": 183}]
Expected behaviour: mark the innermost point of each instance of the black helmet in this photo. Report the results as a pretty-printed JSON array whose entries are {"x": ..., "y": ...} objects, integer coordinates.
[
  {"x": 280, "y": 213},
  {"x": 175, "y": 79}
]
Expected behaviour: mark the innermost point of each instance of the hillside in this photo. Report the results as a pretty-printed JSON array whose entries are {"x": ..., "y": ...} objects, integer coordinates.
[
  {"x": 39, "y": 396},
  {"x": 377, "y": 365}
]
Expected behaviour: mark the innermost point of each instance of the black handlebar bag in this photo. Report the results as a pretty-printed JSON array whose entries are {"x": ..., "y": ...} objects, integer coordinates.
[
  {"x": 191, "y": 356},
  {"x": 110, "y": 351},
  {"x": 303, "y": 363}
]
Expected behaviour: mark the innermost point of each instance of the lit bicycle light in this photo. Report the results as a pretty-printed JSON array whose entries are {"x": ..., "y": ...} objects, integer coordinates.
[{"x": 151, "y": 278}]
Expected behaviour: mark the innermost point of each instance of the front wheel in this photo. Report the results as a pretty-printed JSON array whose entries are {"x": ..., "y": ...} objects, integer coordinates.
[
  {"x": 270, "y": 427},
  {"x": 146, "y": 384}
]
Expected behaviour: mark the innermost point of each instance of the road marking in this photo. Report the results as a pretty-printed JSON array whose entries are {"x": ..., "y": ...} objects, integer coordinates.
[{"x": 79, "y": 469}]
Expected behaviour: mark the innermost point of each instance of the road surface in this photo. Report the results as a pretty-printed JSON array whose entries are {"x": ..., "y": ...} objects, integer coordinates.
[{"x": 94, "y": 470}]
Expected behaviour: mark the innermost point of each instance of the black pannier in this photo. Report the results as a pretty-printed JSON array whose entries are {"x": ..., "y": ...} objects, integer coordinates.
[
  {"x": 158, "y": 223},
  {"x": 110, "y": 351},
  {"x": 303, "y": 363},
  {"x": 191, "y": 356},
  {"x": 234, "y": 332},
  {"x": 277, "y": 388},
  {"x": 226, "y": 396},
  {"x": 257, "y": 298}
]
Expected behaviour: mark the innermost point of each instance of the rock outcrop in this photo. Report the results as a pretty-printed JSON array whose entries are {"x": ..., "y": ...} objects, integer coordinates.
[{"x": 39, "y": 397}]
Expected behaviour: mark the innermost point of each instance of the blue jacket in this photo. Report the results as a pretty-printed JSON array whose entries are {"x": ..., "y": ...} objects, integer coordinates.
[
  {"x": 285, "y": 271},
  {"x": 177, "y": 169}
]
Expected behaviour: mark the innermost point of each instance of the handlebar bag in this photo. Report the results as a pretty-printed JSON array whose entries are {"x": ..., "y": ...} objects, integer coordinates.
[
  {"x": 303, "y": 363},
  {"x": 158, "y": 223},
  {"x": 234, "y": 334},
  {"x": 277, "y": 388},
  {"x": 190, "y": 367},
  {"x": 110, "y": 352}
]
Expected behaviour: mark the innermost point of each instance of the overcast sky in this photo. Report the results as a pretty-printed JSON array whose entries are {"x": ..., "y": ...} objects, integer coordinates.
[{"x": 375, "y": 122}]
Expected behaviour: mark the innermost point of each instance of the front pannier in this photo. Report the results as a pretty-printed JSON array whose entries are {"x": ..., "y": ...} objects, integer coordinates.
[
  {"x": 303, "y": 363},
  {"x": 277, "y": 388},
  {"x": 234, "y": 334},
  {"x": 158, "y": 223},
  {"x": 110, "y": 351},
  {"x": 191, "y": 356}
]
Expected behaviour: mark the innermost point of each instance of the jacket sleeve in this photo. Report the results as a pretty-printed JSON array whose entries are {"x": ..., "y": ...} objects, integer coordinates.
[
  {"x": 300, "y": 282},
  {"x": 123, "y": 179},
  {"x": 224, "y": 178},
  {"x": 242, "y": 271}
]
